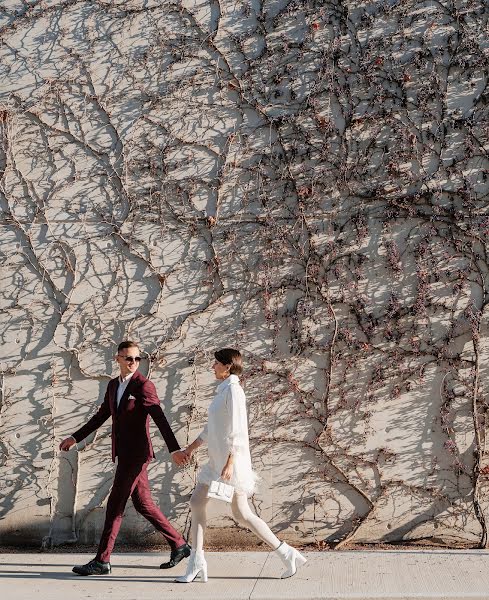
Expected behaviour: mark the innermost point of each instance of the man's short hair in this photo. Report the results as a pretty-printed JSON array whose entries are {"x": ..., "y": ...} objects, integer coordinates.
[{"x": 126, "y": 344}]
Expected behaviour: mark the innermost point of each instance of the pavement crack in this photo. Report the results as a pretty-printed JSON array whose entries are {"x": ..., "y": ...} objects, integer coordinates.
[{"x": 259, "y": 575}]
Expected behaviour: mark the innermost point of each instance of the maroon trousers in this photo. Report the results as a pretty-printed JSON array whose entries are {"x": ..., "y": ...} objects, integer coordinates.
[{"x": 132, "y": 480}]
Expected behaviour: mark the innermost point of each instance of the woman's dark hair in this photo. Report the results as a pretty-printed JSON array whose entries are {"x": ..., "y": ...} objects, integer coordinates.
[{"x": 232, "y": 357}]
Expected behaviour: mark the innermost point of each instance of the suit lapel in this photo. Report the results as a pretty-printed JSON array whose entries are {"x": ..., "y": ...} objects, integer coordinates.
[
  {"x": 125, "y": 395},
  {"x": 114, "y": 384},
  {"x": 127, "y": 392}
]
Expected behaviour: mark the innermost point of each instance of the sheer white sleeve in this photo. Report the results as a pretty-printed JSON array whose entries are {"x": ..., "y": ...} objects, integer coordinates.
[
  {"x": 203, "y": 434},
  {"x": 238, "y": 420}
]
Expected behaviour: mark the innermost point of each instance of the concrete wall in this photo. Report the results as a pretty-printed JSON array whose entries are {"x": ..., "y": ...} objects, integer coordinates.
[{"x": 306, "y": 180}]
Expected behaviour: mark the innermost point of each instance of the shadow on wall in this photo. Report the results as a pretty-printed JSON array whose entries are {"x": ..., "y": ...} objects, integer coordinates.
[{"x": 305, "y": 183}]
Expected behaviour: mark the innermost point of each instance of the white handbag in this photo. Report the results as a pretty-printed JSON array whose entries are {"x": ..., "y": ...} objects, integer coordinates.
[{"x": 220, "y": 491}]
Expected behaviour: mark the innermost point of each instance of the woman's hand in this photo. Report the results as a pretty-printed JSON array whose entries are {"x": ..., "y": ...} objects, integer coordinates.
[
  {"x": 191, "y": 448},
  {"x": 227, "y": 471}
]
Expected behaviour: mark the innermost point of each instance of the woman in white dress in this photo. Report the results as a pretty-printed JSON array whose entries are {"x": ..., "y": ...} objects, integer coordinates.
[{"x": 226, "y": 435}]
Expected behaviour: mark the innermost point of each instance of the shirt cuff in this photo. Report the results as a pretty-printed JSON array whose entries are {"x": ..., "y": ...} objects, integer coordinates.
[{"x": 172, "y": 453}]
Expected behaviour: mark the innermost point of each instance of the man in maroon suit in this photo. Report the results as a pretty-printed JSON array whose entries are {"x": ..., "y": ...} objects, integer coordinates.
[{"x": 130, "y": 399}]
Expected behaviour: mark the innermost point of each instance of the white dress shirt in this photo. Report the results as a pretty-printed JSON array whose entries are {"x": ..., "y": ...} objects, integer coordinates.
[{"x": 123, "y": 383}]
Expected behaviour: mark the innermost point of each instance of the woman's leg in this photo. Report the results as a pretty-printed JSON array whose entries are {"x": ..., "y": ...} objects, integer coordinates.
[
  {"x": 198, "y": 506},
  {"x": 197, "y": 564},
  {"x": 291, "y": 558},
  {"x": 245, "y": 517}
]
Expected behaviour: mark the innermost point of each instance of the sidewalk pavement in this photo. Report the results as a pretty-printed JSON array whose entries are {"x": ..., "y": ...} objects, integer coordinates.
[{"x": 371, "y": 575}]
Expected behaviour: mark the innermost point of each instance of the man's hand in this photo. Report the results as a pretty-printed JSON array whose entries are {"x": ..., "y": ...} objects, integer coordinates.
[
  {"x": 180, "y": 458},
  {"x": 67, "y": 443}
]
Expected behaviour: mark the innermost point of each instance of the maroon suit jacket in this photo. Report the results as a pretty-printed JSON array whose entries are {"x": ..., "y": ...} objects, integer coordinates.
[{"x": 130, "y": 422}]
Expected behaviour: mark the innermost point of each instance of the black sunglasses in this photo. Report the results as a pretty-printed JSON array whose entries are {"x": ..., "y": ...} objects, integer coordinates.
[{"x": 130, "y": 359}]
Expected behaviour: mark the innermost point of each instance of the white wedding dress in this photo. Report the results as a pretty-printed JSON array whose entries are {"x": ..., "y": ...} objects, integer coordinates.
[{"x": 227, "y": 432}]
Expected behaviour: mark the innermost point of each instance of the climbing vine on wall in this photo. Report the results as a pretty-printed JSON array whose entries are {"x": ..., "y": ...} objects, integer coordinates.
[{"x": 306, "y": 179}]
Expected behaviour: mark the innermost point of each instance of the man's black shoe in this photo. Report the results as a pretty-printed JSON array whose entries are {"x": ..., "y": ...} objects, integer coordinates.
[
  {"x": 94, "y": 567},
  {"x": 176, "y": 556}
]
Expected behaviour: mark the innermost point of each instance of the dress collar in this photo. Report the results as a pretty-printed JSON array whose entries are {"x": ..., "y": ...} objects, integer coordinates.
[{"x": 228, "y": 381}]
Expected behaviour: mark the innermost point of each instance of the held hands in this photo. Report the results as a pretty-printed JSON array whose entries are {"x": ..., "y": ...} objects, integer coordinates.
[
  {"x": 183, "y": 457},
  {"x": 188, "y": 453},
  {"x": 67, "y": 443},
  {"x": 191, "y": 448},
  {"x": 180, "y": 458}
]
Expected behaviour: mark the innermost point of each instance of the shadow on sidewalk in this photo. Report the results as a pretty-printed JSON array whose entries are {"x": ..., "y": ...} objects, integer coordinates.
[{"x": 32, "y": 574}]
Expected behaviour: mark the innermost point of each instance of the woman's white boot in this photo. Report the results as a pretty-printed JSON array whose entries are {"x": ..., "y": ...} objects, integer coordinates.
[
  {"x": 291, "y": 558},
  {"x": 196, "y": 566}
]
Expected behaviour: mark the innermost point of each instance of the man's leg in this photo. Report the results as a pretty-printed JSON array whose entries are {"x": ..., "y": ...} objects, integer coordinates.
[
  {"x": 144, "y": 504},
  {"x": 125, "y": 480}
]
